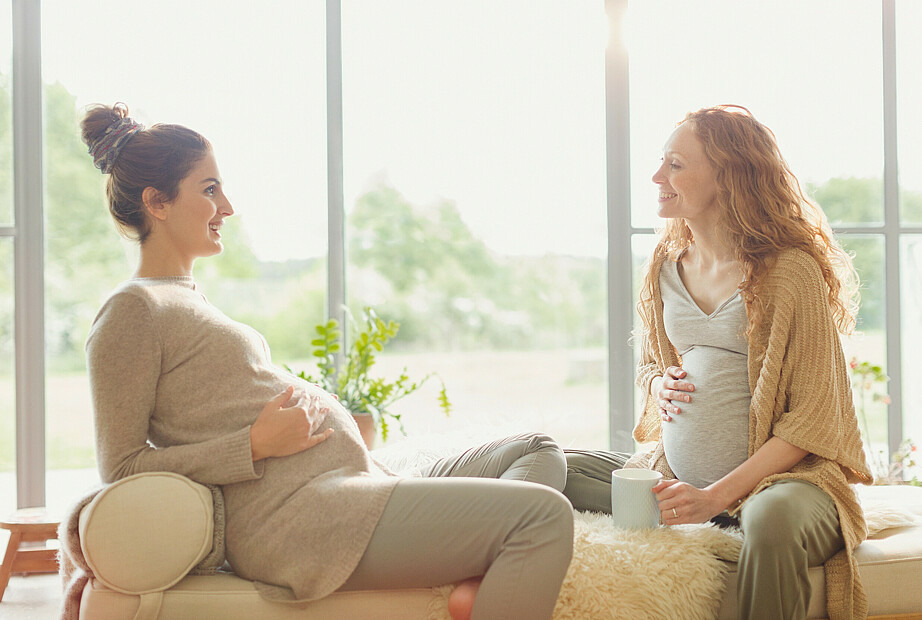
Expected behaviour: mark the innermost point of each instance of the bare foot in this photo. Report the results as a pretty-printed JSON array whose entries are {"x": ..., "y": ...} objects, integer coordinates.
[{"x": 461, "y": 599}]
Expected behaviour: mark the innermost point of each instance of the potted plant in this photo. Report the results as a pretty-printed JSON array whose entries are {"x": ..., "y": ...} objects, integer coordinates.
[{"x": 348, "y": 376}]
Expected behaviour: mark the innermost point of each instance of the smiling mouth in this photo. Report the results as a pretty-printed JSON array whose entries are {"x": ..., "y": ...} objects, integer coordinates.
[{"x": 666, "y": 195}]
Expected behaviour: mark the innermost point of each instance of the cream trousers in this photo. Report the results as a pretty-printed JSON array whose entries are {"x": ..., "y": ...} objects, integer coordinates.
[{"x": 476, "y": 514}]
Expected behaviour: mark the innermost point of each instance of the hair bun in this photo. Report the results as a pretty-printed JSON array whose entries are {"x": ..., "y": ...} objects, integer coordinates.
[
  {"x": 121, "y": 109},
  {"x": 105, "y": 130}
]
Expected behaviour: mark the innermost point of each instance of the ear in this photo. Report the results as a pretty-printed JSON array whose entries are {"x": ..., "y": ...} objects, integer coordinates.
[{"x": 155, "y": 203}]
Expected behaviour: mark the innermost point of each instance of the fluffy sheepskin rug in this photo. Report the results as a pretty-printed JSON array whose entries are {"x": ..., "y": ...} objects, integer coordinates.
[{"x": 667, "y": 572}]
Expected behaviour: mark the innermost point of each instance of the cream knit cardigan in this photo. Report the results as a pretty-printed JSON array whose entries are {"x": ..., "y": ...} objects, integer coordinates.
[{"x": 800, "y": 392}]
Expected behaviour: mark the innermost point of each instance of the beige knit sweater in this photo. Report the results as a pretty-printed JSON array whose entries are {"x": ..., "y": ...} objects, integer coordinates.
[
  {"x": 801, "y": 392},
  {"x": 176, "y": 385}
]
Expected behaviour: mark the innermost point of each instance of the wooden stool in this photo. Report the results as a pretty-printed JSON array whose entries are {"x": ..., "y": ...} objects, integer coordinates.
[{"x": 28, "y": 525}]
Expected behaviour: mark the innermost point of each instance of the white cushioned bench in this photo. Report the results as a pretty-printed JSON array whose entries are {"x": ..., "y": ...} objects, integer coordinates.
[{"x": 142, "y": 535}]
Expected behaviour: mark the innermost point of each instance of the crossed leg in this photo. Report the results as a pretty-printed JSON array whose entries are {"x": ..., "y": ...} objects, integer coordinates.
[{"x": 445, "y": 530}]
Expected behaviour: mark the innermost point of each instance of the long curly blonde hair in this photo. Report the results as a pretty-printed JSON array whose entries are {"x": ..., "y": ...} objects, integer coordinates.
[{"x": 762, "y": 210}]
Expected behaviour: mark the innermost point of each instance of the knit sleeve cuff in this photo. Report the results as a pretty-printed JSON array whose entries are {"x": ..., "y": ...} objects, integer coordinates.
[{"x": 240, "y": 465}]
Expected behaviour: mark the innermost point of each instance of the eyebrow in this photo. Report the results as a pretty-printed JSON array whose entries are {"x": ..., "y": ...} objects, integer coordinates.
[{"x": 210, "y": 180}]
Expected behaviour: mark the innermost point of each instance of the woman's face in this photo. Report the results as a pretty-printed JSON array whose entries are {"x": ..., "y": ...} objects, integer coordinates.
[
  {"x": 197, "y": 213},
  {"x": 686, "y": 179}
]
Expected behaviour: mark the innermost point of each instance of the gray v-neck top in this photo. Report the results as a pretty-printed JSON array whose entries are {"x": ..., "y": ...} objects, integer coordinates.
[{"x": 710, "y": 437}]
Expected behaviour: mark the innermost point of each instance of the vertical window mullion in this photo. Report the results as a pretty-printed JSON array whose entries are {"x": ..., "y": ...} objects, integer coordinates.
[
  {"x": 336, "y": 259},
  {"x": 891, "y": 227},
  {"x": 618, "y": 167},
  {"x": 29, "y": 254}
]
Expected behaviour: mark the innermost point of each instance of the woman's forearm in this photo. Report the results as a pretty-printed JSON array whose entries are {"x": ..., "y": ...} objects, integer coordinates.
[{"x": 774, "y": 457}]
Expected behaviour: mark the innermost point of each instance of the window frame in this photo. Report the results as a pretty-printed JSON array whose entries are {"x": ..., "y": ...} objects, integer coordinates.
[
  {"x": 27, "y": 232},
  {"x": 621, "y": 235},
  {"x": 28, "y": 243}
]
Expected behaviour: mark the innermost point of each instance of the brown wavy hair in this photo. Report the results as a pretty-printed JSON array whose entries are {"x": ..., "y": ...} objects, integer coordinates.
[{"x": 762, "y": 211}]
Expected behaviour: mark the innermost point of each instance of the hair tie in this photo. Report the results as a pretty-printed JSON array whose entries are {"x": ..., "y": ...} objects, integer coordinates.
[{"x": 106, "y": 149}]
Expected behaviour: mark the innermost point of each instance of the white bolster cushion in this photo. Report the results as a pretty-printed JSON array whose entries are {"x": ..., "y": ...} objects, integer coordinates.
[{"x": 145, "y": 532}]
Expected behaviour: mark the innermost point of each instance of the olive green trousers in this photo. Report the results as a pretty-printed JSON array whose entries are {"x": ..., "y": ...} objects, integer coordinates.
[{"x": 787, "y": 528}]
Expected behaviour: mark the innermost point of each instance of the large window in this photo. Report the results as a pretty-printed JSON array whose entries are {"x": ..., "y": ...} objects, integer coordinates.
[
  {"x": 475, "y": 184},
  {"x": 475, "y": 194},
  {"x": 813, "y": 73},
  {"x": 254, "y": 88}
]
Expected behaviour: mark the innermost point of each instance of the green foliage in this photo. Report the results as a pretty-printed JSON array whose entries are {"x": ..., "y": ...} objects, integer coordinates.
[
  {"x": 65, "y": 454},
  {"x": 850, "y": 201},
  {"x": 854, "y": 201},
  {"x": 411, "y": 248},
  {"x": 869, "y": 385},
  {"x": 277, "y": 301},
  {"x": 448, "y": 290},
  {"x": 859, "y": 202},
  {"x": 303, "y": 306},
  {"x": 388, "y": 237},
  {"x": 868, "y": 258},
  {"x": 84, "y": 259},
  {"x": 351, "y": 381},
  {"x": 911, "y": 207},
  {"x": 236, "y": 262}
]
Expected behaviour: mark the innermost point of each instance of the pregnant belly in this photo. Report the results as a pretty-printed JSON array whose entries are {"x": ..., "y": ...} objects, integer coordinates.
[{"x": 710, "y": 437}]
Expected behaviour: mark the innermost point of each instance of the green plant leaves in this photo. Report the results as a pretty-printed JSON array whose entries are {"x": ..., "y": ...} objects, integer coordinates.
[{"x": 351, "y": 381}]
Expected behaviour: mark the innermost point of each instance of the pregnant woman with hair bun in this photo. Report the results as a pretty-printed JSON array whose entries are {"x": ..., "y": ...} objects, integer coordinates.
[{"x": 178, "y": 386}]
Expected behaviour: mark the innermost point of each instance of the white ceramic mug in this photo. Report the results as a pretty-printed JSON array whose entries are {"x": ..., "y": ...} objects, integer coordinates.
[{"x": 633, "y": 503}]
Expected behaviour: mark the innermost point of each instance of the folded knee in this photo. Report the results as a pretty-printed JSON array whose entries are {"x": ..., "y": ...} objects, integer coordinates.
[
  {"x": 553, "y": 508},
  {"x": 540, "y": 441},
  {"x": 561, "y": 522},
  {"x": 542, "y": 461},
  {"x": 777, "y": 535}
]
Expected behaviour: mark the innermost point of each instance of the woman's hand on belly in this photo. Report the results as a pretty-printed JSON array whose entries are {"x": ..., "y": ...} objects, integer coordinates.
[
  {"x": 287, "y": 426},
  {"x": 669, "y": 389},
  {"x": 680, "y": 502}
]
